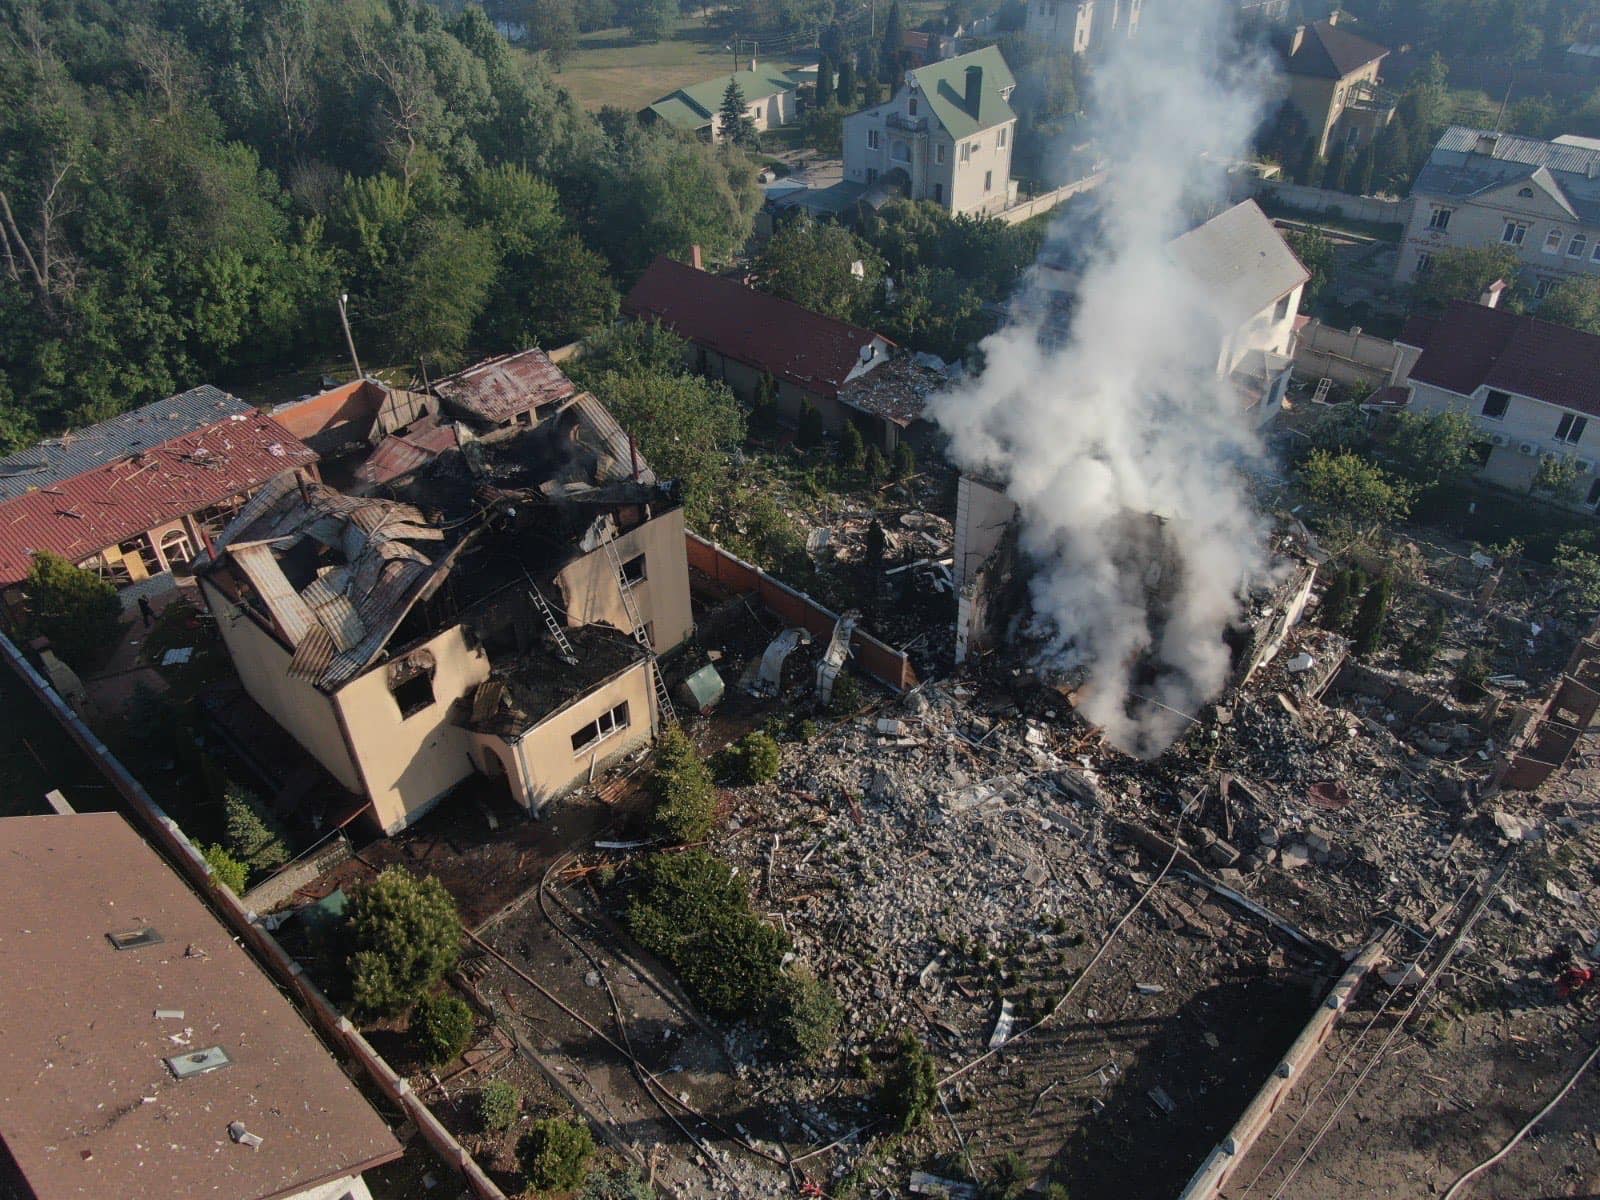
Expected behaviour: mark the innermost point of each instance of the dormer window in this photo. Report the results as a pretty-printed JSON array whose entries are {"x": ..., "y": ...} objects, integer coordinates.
[{"x": 1526, "y": 193}]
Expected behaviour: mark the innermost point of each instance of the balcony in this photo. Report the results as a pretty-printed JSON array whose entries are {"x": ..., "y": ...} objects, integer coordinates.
[{"x": 907, "y": 124}]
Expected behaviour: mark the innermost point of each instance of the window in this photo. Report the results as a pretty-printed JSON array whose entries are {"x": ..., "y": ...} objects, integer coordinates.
[
  {"x": 872, "y": 175},
  {"x": 938, "y": 156},
  {"x": 1514, "y": 232},
  {"x": 633, "y": 571},
  {"x": 1552, "y": 242},
  {"x": 1002, "y": 142},
  {"x": 599, "y": 729},
  {"x": 911, "y": 106},
  {"x": 1495, "y": 405},
  {"x": 988, "y": 180},
  {"x": 411, "y": 683},
  {"x": 1424, "y": 263},
  {"x": 1282, "y": 310},
  {"x": 1440, "y": 219},
  {"x": 1594, "y": 494},
  {"x": 872, "y": 139},
  {"x": 1542, "y": 288},
  {"x": 938, "y": 193},
  {"x": 1595, "y": 257},
  {"x": 1577, "y": 246},
  {"x": 1526, "y": 193},
  {"x": 966, "y": 151},
  {"x": 1571, "y": 428}
]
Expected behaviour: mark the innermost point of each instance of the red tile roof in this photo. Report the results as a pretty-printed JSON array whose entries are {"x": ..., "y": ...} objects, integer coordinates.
[
  {"x": 1472, "y": 346},
  {"x": 81, "y": 515},
  {"x": 795, "y": 345}
]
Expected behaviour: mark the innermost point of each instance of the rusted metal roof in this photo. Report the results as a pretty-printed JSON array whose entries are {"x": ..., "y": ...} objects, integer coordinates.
[
  {"x": 497, "y": 389},
  {"x": 97, "y": 1023},
  {"x": 78, "y": 515},
  {"x": 400, "y": 454}
]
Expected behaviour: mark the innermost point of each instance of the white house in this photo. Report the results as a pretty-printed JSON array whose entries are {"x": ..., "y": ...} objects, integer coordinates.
[
  {"x": 946, "y": 136},
  {"x": 1082, "y": 25}
]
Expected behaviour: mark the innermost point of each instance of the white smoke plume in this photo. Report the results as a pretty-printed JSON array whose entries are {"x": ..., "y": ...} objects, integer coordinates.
[{"x": 1127, "y": 417}]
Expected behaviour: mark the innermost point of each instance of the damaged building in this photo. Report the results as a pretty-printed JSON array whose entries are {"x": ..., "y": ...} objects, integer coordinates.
[{"x": 498, "y": 611}]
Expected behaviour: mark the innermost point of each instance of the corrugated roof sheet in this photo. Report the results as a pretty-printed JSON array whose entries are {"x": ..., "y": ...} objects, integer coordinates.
[
  {"x": 1242, "y": 259},
  {"x": 794, "y": 344},
  {"x": 401, "y": 454},
  {"x": 109, "y": 498},
  {"x": 497, "y": 389},
  {"x": 944, "y": 84},
  {"x": 1469, "y": 162},
  {"x": 1472, "y": 346}
]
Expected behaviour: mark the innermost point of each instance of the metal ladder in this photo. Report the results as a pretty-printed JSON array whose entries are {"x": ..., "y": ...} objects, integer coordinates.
[
  {"x": 565, "y": 647},
  {"x": 669, "y": 715}
]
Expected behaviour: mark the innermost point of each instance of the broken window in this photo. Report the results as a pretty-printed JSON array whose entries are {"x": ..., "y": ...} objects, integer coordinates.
[
  {"x": 633, "y": 571},
  {"x": 602, "y": 727},
  {"x": 1282, "y": 310},
  {"x": 1495, "y": 405},
  {"x": 411, "y": 683},
  {"x": 1571, "y": 428}
]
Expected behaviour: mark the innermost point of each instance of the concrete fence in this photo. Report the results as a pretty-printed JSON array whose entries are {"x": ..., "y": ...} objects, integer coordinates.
[
  {"x": 1207, "y": 1183},
  {"x": 290, "y": 975},
  {"x": 887, "y": 665},
  {"x": 1321, "y": 202},
  {"x": 1347, "y": 356},
  {"x": 276, "y": 889},
  {"x": 1022, "y": 211}
]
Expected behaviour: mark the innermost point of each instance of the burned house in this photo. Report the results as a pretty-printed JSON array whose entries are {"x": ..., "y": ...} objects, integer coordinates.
[{"x": 497, "y": 611}]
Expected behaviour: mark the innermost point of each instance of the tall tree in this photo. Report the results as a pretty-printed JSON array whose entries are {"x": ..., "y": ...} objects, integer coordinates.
[
  {"x": 822, "y": 266},
  {"x": 649, "y": 20},
  {"x": 1463, "y": 273},
  {"x": 847, "y": 83},
  {"x": 824, "y": 81},
  {"x": 734, "y": 123},
  {"x": 1574, "y": 303},
  {"x": 892, "y": 47}
]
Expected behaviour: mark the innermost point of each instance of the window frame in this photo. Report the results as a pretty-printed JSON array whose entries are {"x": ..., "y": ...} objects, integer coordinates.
[
  {"x": 631, "y": 578},
  {"x": 1515, "y": 233},
  {"x": 604, "y": 726},
  {"x": 1440, "y": 219},
  {"x": 873, "y": 141},
  {"x": 1495, "y": 396},
  {"x": 1571, "y": 428},
  {"x": 988, "y": 181},
  {"x": 1554, "y": 240},
  {"x": 1424, "y": 262},
  {"x": 1581, "y": 242}
]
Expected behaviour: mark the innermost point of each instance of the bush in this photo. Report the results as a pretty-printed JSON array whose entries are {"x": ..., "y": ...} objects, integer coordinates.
[
  {"x": 1420, "y": 649},
  {"x": 877, "y": 470},
  {"x": 692, "y": 912},
  {"x": 1010, "y": 1178},
  {"x": 846, "y": 697},
  {"x": 911, "y": 1088},
  {"x": 764, "y": 411},
  {"x": 250, "y": 832},
  {"x": 441, "y": 1028},
  {"x": 1339, "y": 601},
  {"x": 227, "y": 869},
  {"x": 623, "y": 1183},
  {"x": 555, "y": 1154},
  {"x": 76, "y": 609},
  {"x": 1471, "y": 674},
  {"x": 852, "y": 450},
  {"x": 1366, "y": 635},
  {"x": 404, "y": 934},
  {"x": 754, "y": 758},
  {"x": 905, "y": 460},
  {"x": 686, "y": 797},
  {"x": 809, "y": 430},
  {"x": 804, "y": 1014},
  {"x": 499, "y": 1105}
]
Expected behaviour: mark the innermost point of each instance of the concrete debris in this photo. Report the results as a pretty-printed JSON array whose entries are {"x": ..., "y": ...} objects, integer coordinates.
[
  {"x": 924, "y": 1184},
  {"x": 1149, "y": 989},
  {"x": 1162, "y": 1101},
  {"x": 1514, "y": 828},
  {"x": 1299, "y": 663},
  {"x": 1407, "y": 975}
]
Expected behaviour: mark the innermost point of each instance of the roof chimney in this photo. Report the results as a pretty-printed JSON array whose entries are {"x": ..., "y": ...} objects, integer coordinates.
[
  {"x": 695, "y": 259},
  {"x": 1488, "y": 143},
  {"x": 1491, "y": 294},
  {"x": 974, "y": 89},
  {"x": 1296, "y": 40},
  {"x": 1333, "y": 17}
]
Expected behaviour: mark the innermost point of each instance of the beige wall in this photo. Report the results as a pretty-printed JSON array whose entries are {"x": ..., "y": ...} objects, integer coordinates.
[
  {"x": 410, "y": 762},
  {"x": 1348, "y": 357},
  {"x": 592, "y": 594},
  {"x": 544, "y": 755},
  {"x": 1322, "y": 101},
  {"x": 960, "y": 183},
  {"x": 262, "y": 664},
  {"x": 1481, "y": 222}
]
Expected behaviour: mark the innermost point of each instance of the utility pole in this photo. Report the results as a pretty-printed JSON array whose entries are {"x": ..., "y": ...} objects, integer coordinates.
[{"x": 344, "y": 319}]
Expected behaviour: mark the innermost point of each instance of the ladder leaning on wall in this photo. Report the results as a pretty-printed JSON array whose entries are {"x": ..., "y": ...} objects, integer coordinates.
[{"x": 669, "y": 715}]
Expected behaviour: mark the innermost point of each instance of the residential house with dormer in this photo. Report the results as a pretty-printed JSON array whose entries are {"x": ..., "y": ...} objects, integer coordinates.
[
  {"x": 946, "y": 136},
  {"x": 1332, "y": 79},
  {"x": 1082, "y": 26}
]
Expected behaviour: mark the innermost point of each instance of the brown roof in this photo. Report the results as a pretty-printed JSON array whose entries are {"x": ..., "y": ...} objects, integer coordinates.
[
  {"x": 88, "y": 1106},
  {"x": 497, "y": 389},
  {"x": 793, "y": 344},
  {"x": 1329, "y": 52},
  {"x": 1471, "y": 346},
  {"x": 81, "y": 514}
]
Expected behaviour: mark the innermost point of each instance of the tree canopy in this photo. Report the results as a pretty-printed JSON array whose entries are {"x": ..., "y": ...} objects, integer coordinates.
[{"x": 1463, "y": 273}]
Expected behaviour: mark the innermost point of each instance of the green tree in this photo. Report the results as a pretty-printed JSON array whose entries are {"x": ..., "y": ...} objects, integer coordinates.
[
  {"x": 1434, "y": 448},
  {"x": 823, "y": 267},
  {"x": 1557, "y": 477},
  {"x": 1472, "y": 672},
  {"x": 251, "y": 834},
  {"x": 1349, "y": 495},
  {"x": 1366, "y": 634},
  {"x": 805, "y": 1014},
  {"x": 905, "y": 460},
  {"x": 648, "y": 20},
  {"x": 754, "y": 758},
  {"x": 891, "y": 49},
  {"x": 1315, "y": 252},
  {"x": 1341, "y": 427},
  {"x": 846, "y": 96},
  {"x": 403, "y": 933},
  {"x": 734, "y": 122},
  {"x": 76, "y": 609},
  {"x": 1339, "y": 601},
  {"x": 1366, "y": 170},
  {"x": 1464, "y": 273},
  {"x": 824, "y": 130},
  {"x": 441, "y": 1027},
  {"x": 936, "y": 310},
  {"x": 1574, "y": 303},
  {"x": 1580, "y": 571},
  {"x": 555, "y": 1154},
  {"x": 810, "y": 429},
  {"x": 876, "y": 469},
  {"x": 824, "y": 90},
  {"x": 1422, "y": 647},
  {"x": 226, "y": 869},
  {"x": 911, "y": 1087},
  {"x": 685, "y": 794},
  {"x": 499, "y": 1105},
  {"x": 1392, "y": 149},
  {"x": 852, "y": 450},
  {"x": 617, "y": 1183}
]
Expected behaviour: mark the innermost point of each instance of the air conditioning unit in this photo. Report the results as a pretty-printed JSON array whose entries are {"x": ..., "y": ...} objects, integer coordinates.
[
  {"x": 1499, "y": 439},
  {"x": 1528, "y": 448}
]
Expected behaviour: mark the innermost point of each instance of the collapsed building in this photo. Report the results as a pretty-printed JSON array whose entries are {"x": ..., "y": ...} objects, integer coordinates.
[{"x": 498, "y": 610}]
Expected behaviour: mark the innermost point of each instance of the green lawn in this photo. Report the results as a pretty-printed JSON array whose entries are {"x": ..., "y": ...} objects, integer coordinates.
[{"x": 609, "y": 67}]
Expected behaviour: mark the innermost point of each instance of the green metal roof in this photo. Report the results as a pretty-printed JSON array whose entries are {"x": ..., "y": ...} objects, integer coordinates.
[
  {"x": 945, "y": 86},
  {"x": 691, "y": 108}
]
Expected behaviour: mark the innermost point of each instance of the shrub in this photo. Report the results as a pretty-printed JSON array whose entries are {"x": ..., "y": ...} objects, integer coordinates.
[
  {"x": 809, "y": 429},
  {"x": 250, "y": 832},
  {"x": 404, "y": 934},
  {"x": 499, "y": 1105},
  {"x": 623, "y": 1183},
  {"x": 441, "y": 1028},
  {"x": 1010, "y": 1178},
  {"x": 1367, "y": 633},
  {"x": 912, "y": 1086},
  {"x": 877, "y": 469},
  {"x": 754, "y": 758},
  {"x": 905, "y": 460},
  {"x": 691, "y": 911},
  {"x": 1471, "y": 674},
  {"x": 846, "y": 697},
  {"x": 76, "y": 609},
  {"x": 804, "y": 1014},
  {"x": 227, "y": 869},
  {"x": 1422, "y": 646},
  {"x": 686, "y": 797},
  {"x": 1339, "y": 601},
  {"x": 555, "y": 1154},
  {"x": 764, "y": 410},
  {"x": 852, "y": 450}
]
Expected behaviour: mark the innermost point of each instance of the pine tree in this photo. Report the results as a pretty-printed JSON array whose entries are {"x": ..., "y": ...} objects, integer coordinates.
[
  {"x": 905, "y": 460},
  {"x": 1366, "y": 170},
  {"x": 1336, "y": 601},
  {"x": 1367, "y": 634},
  {"x": 852, "y": 450},
  {"x": 893, "y": 39},
  {"x": 250, "y": 836},
  {"x": 824, "y": 81},
  {"x": 404, "y": 934},
  {"x": 734, "y": 117},
  {"x": 809, "y": 429},
  {"x": 846, "y": 94},
  {"x": 877, "y": 469}
]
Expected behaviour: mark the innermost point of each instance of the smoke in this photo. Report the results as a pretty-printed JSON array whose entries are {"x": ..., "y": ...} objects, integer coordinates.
[{"x": 1126, "y": 417}]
